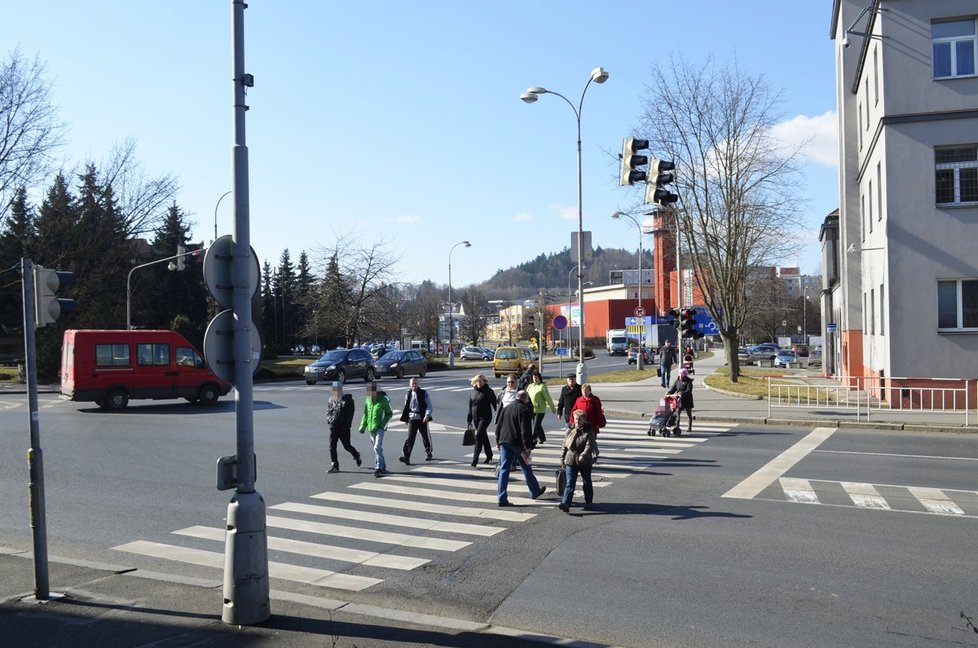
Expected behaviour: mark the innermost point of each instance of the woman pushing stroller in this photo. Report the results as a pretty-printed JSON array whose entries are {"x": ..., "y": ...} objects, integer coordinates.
[{"x": 683, "y": 388}]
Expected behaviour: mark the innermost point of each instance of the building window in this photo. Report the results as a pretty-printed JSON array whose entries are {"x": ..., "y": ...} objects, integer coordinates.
[
  {"x": 957, "y": 304},
  {"x": 860, "y": 113},
  {"x": 882, "y": 313},
  {"x": 867, "y": 103},
  {"x": 879, "y": 191},
  {"x": 876, "y": 76},
  {"x": 862, "y": 222},
  {"x": 956, "y": 169},
  {"x": 953, "y": 48},
  {"x": 870, "y": 219},
  {"x": 865, "y": 327},
  {"x": 872, "y": 311}
]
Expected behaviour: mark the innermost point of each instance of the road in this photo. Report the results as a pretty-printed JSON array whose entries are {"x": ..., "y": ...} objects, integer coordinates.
[{"x": 736, "y": 535}]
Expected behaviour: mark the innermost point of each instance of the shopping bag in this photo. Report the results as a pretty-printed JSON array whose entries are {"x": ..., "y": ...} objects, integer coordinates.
[
  {"x": 561, "y": 481},
  {"x": 468, "y": 437}
]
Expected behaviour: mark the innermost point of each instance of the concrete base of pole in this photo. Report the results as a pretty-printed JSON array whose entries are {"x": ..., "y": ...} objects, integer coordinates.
[
  {"x": 246, "y": 587},
  {"x": 451, "y": 360},
  {"x": 581, "y": 373}
]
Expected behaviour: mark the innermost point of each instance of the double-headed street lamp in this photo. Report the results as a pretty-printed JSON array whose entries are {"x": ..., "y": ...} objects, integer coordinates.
[
  {"x": 598, "y": 75},
  {"x": 451, "y": 307},
  {"x": 639, "y": 364}
]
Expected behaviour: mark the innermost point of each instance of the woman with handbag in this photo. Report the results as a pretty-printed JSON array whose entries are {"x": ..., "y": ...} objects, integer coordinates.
[
  {"x": 593, "y": 411},
  {"x": 580, "y": 448},
  {"x": 482, "y": 405}
]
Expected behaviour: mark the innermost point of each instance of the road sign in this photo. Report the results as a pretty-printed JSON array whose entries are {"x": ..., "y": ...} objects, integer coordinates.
[
  {"x": 217, "y": 270},
  {"x": 831, "y": 328},
  {"x": 560, "y": 322},
  {"x": 219, "y": 346},
  {"x": 639, "y": 312}
]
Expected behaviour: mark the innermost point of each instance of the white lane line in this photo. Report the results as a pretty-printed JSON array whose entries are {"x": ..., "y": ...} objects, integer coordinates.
[
  {"x": 753, "y": 485},
  {"x": 284, "y": 571},
  {"x": 437, "y": 494},
  {"x": 385, "y": 537},
  {"x": 799, "y": 490},
  {"x": 328, "y": 552},
  {"x": 426, "y": 507},
  {"x": 935, "y": 500},
  {"x": 392, "y": 520},
  {"x": 893, "y": 454},
  {"x": 865, "y": 495}
]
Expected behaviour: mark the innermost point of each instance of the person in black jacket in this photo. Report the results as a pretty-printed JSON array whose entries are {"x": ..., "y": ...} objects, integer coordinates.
[
  {"x": 514, "y": 438},
  {"x": 482, "y": 405},
  {"x": 568, "y": 396},
  {"x": 683, "y": 388},
  {"x": 339, "y": 418},
  {"x": 417, "y": 413}
]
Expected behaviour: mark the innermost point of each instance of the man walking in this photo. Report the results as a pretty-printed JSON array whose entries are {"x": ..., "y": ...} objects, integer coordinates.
[
  {"x": 569, "y": 394},
  {"x": 376, "y": 414},
  {"x": 514, "y": 436},
  {"x": 667, "y": 358},
  {"x": 339, "y": 418},
  {"x": 416, "y": 413}
]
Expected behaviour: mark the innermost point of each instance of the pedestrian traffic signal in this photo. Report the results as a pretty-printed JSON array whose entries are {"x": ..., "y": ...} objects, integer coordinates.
[
  {"x": 689, "y": 323},
  {"x": 659, "y": 176},
  {"x": 47, "y": 305},
  {"x": 630, "y": 162},
  {"x": 673, "y": 316},
  {"x": 181, "y": 257}
]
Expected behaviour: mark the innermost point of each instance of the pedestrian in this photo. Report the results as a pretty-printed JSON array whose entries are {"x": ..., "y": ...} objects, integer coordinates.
[
  {"x": 667, "y": 358},
  {"x": 577, "y": 457},
  {"x": 377, "y": 413},
  {"x": 569, "y": 394},
  {"x": 684, "y": 389},
  {"x": 540, "y": 398},
  {"x": 591, "y": 405},
  {"x": 526, "y": 377},
  {"x": 482, "y": 406},
  {"x": 340, "y": 410},
  {"x": 508, "y": 393},
  {"x": 416, "y": 413},
  {"x": 514, "y": 438}
]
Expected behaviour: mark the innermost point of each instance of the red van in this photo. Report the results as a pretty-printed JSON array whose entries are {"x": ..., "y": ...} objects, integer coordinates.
[{"x": 112, "y": 366}]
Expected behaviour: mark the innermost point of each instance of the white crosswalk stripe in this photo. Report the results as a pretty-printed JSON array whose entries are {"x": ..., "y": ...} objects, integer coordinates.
[
  {"x": 881, "y": 497},
  {"x": 405, "y": 520}
]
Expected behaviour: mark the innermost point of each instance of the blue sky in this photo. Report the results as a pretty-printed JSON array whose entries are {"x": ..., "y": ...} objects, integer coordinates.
[{"x": 402, "y": 121}]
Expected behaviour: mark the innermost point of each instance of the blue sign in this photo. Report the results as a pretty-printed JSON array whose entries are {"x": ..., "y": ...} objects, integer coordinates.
[
  {"x": 561, "y": 351},
  {"x": 831, "y": 328},
  {"x": 638, "y": 321},
  {"x": 704, "y": 323}
]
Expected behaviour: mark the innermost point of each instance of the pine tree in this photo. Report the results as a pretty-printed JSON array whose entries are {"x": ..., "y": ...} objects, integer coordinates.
[{"x": 16, "y": 241}]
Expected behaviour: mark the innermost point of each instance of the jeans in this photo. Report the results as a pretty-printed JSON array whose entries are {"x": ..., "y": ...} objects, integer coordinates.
[
  {"x": 508, "y": 454},
  {"x": 572, "y": 472},
  {"x": 666, "y": 370},
  {"x": 377, "y": 438},
  {"x": 482, "y": 439}
]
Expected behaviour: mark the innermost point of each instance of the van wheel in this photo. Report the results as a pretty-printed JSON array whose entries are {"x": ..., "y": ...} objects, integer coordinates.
[
  {"x": 369, "y": 376},
  {"x": 422, "y": 372},
  {"x": 115, "y": 400},
  {"x": 208, "y": 395}
]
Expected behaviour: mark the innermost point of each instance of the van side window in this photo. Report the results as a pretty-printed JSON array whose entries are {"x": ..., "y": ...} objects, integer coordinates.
[
  {"x": 111, "y": 355},
  {"x": 153, "y": 354},
  {"x": 187, "y": 357}
]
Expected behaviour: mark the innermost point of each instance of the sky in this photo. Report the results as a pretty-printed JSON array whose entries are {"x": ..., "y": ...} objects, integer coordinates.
[{"x": 400, "y": 123}]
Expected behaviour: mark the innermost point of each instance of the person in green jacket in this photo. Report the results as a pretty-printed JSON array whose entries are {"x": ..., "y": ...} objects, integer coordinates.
[
  {"x": 540, "y": 397},
  {"x": 377, "y": 414}
]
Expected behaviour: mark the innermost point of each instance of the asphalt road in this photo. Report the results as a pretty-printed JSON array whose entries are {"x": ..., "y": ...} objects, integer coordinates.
[{"x": 737, "y": 535}]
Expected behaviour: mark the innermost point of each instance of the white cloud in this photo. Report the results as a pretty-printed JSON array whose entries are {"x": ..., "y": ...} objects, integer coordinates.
[
  {"x": 523, "y": 216},
  {"x": 408, "y": 219},
  {"x": 564, "y": 211},
  {"x": 819, "y": 136}
]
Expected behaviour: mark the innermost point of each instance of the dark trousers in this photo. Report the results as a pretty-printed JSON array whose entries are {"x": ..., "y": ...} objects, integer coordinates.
[
  {"x": 415, "y": 426},
  {"x": 538, "y": 433},
  {"x": 342, "y": 436},
  {"x": 482, "y": 439}
]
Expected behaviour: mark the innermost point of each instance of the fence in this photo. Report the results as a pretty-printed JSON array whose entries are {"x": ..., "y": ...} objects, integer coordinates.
[{"x": 879, "y": 398}]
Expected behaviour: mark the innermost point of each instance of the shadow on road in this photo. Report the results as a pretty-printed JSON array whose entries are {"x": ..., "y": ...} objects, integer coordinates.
[{"x": 177, "y": 409}]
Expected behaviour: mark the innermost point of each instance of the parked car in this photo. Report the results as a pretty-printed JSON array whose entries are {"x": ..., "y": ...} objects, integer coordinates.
[
  {"x": 815, "y": 356},
  {"x": 399, "y": 363},
  {"x": 743, "y": 354},
  {"x": 529, "y": 355},
  {"x": 342, "y": 365},
  {"x": 785, "y": 357},
  {"x": 472, "y": 353},
  {"x": 508, "y": 360},
  {"x": 647, "y": 357},
  {"x": 801, "y": 350},
  {"x": 764, "y": 351},
  {"x": 490, "y": 353}
]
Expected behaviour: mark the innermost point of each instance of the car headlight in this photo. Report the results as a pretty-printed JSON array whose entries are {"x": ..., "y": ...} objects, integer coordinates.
[
  {"x": 394, "y": 364},
  {"x": 331, "y": 368}
]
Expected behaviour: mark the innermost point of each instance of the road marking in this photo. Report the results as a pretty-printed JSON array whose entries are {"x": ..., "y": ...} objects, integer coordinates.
[
  {"x": 437, "y": 494},
  {"x": 392, "y": 520},
  {"x": 426, "y": 507},
  {"x": 385, "y": 537},
  {"x": 935, "y": 500},
  {"x": 865, "y": 495},
  {"x": 799, "y": 490},
  {"x": 284, "y": 571},
  {"x": 329, "y": 552},
  {"x": 893, "y": 454},
  {"x": 753, "y": 485}
]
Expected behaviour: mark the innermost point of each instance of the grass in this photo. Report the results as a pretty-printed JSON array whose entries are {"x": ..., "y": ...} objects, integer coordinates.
[
  {"x": 752, "y": 382},
  {"x": 9, "y": 374}
]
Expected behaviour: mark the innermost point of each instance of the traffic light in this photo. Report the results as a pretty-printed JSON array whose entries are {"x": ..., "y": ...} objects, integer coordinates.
[
  {"x": 181, "y": 259},
  {"x": 688, "y": 323},
  {"x": 630, "y": 173},
  {"x": 674, "y": 318},
  {"x": 533, "y": 321},
  {"x": 47, "y": 306},
  {"x": 659, "y": 176}
]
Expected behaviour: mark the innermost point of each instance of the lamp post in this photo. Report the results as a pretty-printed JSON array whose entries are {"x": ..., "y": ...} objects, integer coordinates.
[
  {"x": 639, "y": 364},
  {"x": 226, "y": 193},
  {"x": 570, "y": 306},
  {"x": 451, "y": 307},
  {"x": 598, "y": 75}
]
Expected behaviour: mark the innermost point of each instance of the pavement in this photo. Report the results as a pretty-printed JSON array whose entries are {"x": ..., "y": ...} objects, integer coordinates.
[{"x": 115, "y": 605}]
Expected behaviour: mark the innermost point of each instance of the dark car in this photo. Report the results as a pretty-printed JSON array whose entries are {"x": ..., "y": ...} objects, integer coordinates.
[
  {"x": 633, "y": 356},
  {"x": 399, "y": 363},
  {"x": 341, "y": 365}
]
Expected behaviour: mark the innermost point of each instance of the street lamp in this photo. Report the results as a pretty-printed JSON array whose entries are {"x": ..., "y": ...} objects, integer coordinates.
[
  {"x": 451, "y": 307},
  {"x": 598, "y": 75},
  {"x": 641, "y": 340},
  {"x": 226, "y": 193}
]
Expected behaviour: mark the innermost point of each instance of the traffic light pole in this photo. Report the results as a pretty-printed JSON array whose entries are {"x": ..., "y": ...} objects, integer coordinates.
[{"x": 35, "y": 457}]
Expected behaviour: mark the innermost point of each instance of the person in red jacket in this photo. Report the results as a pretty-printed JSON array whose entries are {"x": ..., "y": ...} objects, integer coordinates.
[{"x": 591, "y": 405}]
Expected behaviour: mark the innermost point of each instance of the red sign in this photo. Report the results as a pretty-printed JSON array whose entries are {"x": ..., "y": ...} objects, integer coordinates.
[{"x": 639, "y": 312}]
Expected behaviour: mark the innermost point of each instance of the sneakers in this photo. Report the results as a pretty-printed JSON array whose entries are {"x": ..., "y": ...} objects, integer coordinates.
[
  {"x": 475, "y": 463},
  {"x": 335, "y": 468},
  {"x": 563, "y": 507},
  {"x": 543, "y": 489},
  {"x": 378, "y": 472},
  {"x": 429, "y": 457},
  {"x": 404, "y": 460},
  {"x": 506, "y": 503},
  {"x": 358, "y": 460}
]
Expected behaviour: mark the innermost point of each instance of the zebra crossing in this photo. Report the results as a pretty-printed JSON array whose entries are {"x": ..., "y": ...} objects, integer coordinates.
[
  {"x": 354, "y": 537},
  {"x": 881, "y": 497}
]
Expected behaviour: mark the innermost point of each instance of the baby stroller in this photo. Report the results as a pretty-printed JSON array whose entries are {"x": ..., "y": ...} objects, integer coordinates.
[{"x": 666, "y": 417}]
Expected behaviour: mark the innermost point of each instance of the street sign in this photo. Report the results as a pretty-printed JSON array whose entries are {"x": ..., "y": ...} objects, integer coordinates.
[
  {"x": 560, "y": 322},
  {"x": 639, "y": 312},
  {"x": 219, "y": 346},
  {"x": 831, "y": 328},
  {"x": 217, "y": 270}
]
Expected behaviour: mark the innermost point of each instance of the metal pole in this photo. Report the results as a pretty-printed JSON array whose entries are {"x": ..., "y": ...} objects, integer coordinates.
[
  {"x": 451, "y": 309},
  {"x": 35, "y": 457},
  {"x": 246, "y": 587},
  {"x": 641, "y": 336},
  {"x": 679, "y": 280},
  {"x": 215, "y": 211},
  {"x": 143, "y": 265}
]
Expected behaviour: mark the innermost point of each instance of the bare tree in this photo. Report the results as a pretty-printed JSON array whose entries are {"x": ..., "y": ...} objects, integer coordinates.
[
  {"x": 142, "y": 198},
  {"x": 29, "y": 128},
  {"x": 738, "y": 185},
  {"x": 476, "y": 310}
]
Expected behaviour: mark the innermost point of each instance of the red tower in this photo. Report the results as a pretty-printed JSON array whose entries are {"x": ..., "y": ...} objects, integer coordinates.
[{"x": 664, "y": 259}]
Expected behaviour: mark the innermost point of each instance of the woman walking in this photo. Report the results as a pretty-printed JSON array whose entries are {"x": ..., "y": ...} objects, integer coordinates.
[
  {"x": 482, "y": 406},
  {"x": 580, "y": 448},
  {"x": 591, "y": 404},
  {"x": 540, "y": 397}
]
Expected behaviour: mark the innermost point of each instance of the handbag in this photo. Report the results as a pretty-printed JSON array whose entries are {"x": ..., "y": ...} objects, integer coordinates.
[
  {"x": 468, "y": 437},
  {"x": 561, "y": 481}
]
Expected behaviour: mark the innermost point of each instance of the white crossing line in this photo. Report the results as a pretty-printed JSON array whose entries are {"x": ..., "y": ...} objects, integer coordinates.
[
  {"x": 516, "y": 474},
  {"x": 438, "y": 494},
  {"x": 426, "y": 507},
  {"x": 865, "y": 495},
  {"x": 392, "y": 520},
  {"x": 328, "y": 552},
  {"x": 935, "y": 500},
  {"x": 753, "y": 485},
  {"x": 284, "y": 571},
  {"x": 385, "y": 537},
  {"x": 799, "y": 490}
]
